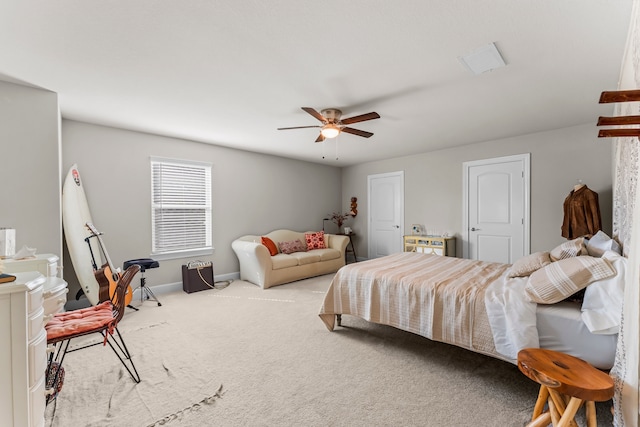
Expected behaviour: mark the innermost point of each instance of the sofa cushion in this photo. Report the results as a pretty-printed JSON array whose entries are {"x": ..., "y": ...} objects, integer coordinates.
[
  {"x": 305, "y": 258},
  {"x": 273, "y": 249},
  {"x": 283, "y": 261},
  {"x": 315, "y": 240},
  {"x": 327, "y": 254}
]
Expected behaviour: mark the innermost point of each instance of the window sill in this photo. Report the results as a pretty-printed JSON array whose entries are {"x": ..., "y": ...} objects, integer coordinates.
[{"x": 183, "y": 254}]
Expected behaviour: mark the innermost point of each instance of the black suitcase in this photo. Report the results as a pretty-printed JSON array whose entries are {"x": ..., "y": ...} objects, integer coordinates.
[{"x": 197, "y": 276}]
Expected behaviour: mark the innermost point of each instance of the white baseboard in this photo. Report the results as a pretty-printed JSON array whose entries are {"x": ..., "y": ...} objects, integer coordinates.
[
  {"x": 156, "y": 289},
  {"x": 177, "y": 286}
]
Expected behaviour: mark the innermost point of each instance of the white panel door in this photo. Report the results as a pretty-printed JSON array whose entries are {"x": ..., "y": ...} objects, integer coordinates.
[
  {"x": 386, "y": 213},
  {"x": 497, "y": 209}
]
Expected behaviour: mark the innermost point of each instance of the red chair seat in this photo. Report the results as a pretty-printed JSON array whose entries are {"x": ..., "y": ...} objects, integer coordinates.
[{"x": 79, "y": 322}]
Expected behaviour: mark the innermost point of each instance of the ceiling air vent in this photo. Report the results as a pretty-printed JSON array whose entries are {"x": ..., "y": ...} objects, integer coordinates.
[{"x": 483, "y": 59}]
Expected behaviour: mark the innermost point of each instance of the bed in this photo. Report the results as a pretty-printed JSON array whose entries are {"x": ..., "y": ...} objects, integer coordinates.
[{"x": 492, "y": 308}]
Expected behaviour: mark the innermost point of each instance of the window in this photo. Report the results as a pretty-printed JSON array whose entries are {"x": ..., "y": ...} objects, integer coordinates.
[{"x": 180, "y": 208}]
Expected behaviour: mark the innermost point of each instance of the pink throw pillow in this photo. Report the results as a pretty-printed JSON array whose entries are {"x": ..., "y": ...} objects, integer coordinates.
[{"x": 315, "y": 240}]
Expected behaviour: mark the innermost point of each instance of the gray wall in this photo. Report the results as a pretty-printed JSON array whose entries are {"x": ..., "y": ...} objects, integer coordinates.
[
  {"x": 30, "y": 172},
  {"x": 251, "y": 193},
  {"x": 433, "y": 182},
  {"x": 254, "y": 193}
]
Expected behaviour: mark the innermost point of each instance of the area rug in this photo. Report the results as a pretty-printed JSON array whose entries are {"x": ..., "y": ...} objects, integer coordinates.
[
  {"x": 176, "y": 379},
  {"x": 244, "y": 356}
]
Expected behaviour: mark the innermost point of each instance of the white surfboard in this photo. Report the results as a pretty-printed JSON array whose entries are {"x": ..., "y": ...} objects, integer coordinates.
[{"x": 75, "y": 216}]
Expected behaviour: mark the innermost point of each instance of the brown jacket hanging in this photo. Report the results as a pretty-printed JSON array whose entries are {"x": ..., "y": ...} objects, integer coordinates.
[{"x": 581, "y": 214}]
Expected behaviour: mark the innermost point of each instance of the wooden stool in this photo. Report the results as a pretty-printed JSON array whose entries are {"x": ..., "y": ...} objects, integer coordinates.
[{"x": 565, "y": 383}]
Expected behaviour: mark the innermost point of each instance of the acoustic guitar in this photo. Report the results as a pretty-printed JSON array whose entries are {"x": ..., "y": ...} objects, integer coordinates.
[{"x": 107, "y": 276}]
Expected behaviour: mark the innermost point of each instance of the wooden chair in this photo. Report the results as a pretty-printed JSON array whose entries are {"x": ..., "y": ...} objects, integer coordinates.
[
  {"x": 102, "y": 319},
  {"x": 566, "y": 382}
]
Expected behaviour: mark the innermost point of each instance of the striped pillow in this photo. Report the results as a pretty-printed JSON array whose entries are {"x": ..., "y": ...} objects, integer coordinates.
[
  {"x": 575, "y": 247},
  {"x": 564, "y": 278}
]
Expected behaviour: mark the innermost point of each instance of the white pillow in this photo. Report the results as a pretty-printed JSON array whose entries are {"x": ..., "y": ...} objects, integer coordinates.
[
  {"x": 602, "y": 304},
  {"x": 600, "y": 243}
]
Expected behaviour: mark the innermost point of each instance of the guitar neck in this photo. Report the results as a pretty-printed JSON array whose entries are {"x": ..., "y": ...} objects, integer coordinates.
[{"x": 114, "y": 273}]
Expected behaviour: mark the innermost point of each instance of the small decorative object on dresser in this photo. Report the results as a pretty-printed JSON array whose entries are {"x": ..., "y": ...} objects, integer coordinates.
[
  {"x": 7, "y": 242},
  {"x": 417, "y": 229}
]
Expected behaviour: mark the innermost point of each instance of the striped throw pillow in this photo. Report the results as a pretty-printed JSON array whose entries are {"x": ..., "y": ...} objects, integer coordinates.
[
  {"x": 575, "y": 247},
  {"x": 561, "y": 279}
]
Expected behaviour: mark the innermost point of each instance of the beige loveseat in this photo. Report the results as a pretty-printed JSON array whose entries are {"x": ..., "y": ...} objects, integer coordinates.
[{"x": 259, "y": 267}]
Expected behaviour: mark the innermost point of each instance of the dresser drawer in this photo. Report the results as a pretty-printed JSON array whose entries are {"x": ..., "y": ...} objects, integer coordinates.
[
  {"x": 429, "y": 250},
  {"x": 34, "y": 299},
  {"x": 55, "y": 300},
  {"x": 35, "y": 323},
  {"x": 38, "y": 402},
  {"x": 37, "y": 358}
]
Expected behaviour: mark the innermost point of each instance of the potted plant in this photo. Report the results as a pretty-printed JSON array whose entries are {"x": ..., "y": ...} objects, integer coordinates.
[{"x": 339, "y": 219}]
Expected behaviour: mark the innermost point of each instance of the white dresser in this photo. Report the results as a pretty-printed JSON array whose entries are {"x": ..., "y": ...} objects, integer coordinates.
[
  {"x": 54, "y": 289},
  {"x": 23, "y": 342},
  {"x": 46, "y": 264}
]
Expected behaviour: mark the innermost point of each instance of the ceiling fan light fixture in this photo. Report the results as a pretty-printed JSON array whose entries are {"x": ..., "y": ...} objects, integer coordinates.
[{"x": 330, "y": 130}]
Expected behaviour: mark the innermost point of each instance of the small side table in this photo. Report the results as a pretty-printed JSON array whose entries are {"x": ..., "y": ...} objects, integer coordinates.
[
  {"x": 566, "y": 383},
  {"x": 350, "y": 247}
]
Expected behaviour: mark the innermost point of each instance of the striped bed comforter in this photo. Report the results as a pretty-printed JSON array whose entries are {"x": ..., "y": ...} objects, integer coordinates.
[{"x": 437, "y": 297}]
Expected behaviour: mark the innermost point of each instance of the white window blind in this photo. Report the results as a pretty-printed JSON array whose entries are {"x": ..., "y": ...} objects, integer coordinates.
[{"x": 180, "y": 207}]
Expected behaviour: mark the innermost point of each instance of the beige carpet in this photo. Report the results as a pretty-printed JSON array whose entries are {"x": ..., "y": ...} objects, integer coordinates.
[{"x": 242, "y": 356}]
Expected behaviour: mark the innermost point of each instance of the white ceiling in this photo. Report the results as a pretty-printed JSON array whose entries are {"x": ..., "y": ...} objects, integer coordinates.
[{"x": 229, "y": 72}]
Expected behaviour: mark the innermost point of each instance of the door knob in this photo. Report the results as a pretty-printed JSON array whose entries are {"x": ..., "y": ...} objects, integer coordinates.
[
  {"x": 396, "y": 226},
  {"x": 475, "y": 229}
]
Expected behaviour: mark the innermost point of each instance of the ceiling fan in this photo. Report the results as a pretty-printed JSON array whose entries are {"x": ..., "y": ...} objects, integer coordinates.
[{"x": 332, "y": 125}]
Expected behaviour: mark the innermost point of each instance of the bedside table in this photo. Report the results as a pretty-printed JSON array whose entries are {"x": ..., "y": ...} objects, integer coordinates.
[{"x": 350, "y": 247}]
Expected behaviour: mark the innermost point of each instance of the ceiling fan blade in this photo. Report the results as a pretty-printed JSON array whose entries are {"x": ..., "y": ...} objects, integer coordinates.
[
  {"x": 314, "y": 113},
  {"x": 358, "y": 132},
  {"x": 360, "y": 118},
  {"x": 320, "y": 138},
  {"x": 299, "y": 127}
]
